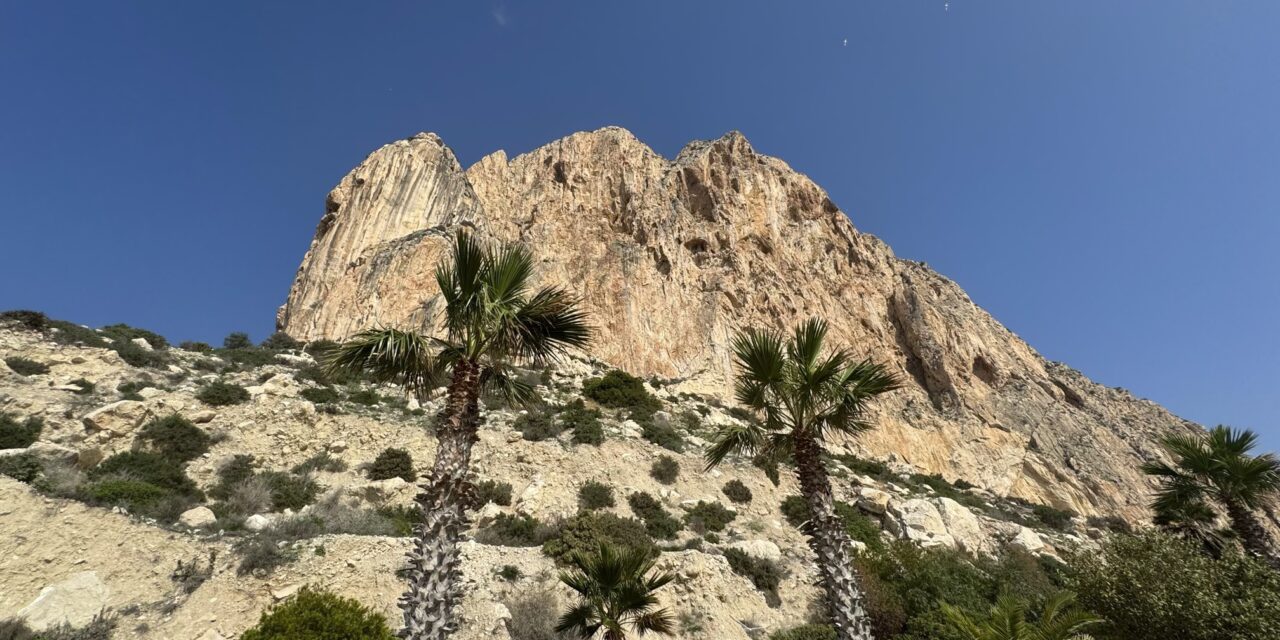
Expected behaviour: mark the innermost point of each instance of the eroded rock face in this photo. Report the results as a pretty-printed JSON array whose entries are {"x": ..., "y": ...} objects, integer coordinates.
[{"x": 672, "y": 257}]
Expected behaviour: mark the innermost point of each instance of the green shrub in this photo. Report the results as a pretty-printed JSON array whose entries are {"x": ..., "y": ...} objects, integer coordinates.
[
  {"x": 1153, "y": 586},
  {"x": 126, "y": 492},
  {"x": 510, "y": 573},
  {"x": 220, "y": 394},
  {"x": 595, "y": 495},
  {"x": 317, "y": 615},
  {"x": 621, "y": 390},
  {"x": 19, "y": 435},
  {"x": 23, "y": 467},
  {"x": 322, "y": 461},
  {"x": 534, "y": 613},
  {"x": 366, "y": 397},
  {"x": 176, "y": 437},
  {"x": 64, "y": 332},
  {"x": 100, "y": 628},
  {"x": 137, "y": 356},
  {"x": 280, "y": 341},
  {"x": 862, "y": 466},
  {"x": 1053, "y": 518},
  {"x": 30, "y": 320},
  {"x": 658, "y": 523},
  {"x": 536, "y": 426},
  {"x": 805, "y": 632},
  {"x": 25, "y": 367},
  {"x": 665, "y": 470},
  {"x": 709, "y": 516},
  {"x": 520, "y": 530},
  {"x": 498, "y": 493},
  {"x": 289, "y": 491},
  {"x": 197, "y": 347},
  {"x": 795, "y": 510},
  {"x": 237, "y": 340},
  {"x": 146, "y": 466},
  {"x": 319, "y": 395},
  {"x": 766, "y": 575},
  {"x": 392, "y": 463},
  {"x": 403, "y": 519},
  {"x": 583, "y": 423},
  {"x": 737, "y": 492},
  {"x": 85, "y": 386},
  {"x": 121, "y": 333},
  {"x": 248, "y": 357},
  {"x": 585, "y": 531},
  {"x": 663, "y": 435},
  {"x": 232, "y": 473}
]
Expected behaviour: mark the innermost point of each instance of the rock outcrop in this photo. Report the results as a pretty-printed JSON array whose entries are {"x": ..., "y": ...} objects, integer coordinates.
[{"x": 672, "y": 257}]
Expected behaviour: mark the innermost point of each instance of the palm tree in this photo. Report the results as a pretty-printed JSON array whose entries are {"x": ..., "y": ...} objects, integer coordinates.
[
  {"x": 617, "y": 586},
  {"x": 1217, "y": 468},
  {"x": 1008, "y": 620},
  {"x": 491, "y": 318},
  {"x": 804, "y": 399}
]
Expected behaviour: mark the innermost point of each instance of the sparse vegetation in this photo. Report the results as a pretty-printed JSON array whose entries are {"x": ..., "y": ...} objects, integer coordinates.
[
  {"x": 175, "y": 436},
  {"x": 536, "y": 425},
  {"x": 534, "y": 613},
  {"x": 219, "y": 394},
  {"x": 196, "y": 347},
  {"x": 510, "y": 573},
  {"x": 320, "y": 395},
  {"x": 498, "y": 493},
  {"x": 237, "y": 340},
  {"x": 520, "y": 530},
  {"x": 365, "y": 397},
  {"x": 19, "y": 435},
  {"x": 323, "y": 461},
  {"x": 586, "y": 530},
  {"x": 27, "y": 319},
  {"x": 805, "y": 632},
  {"x": 26, "y": 367},
  {"x": 22, "y": 467},
  {"x": 318, "y": 615},
  {"x": 766, "y": 575},
  {"x": 665, "y": 470},
  {"x": 392, "y": 463},
  {"x": 618, "y": 389},
  {"x": 662, "y": 434},
  {"x": 280, "y": 341},
  {"x": 582, "y": 422},
  {"x": 595, "y": 495},
  {"x": 658, "y": 522},
  {"x": 737, "y": 492},
  {"x": 709, "y": 516}
]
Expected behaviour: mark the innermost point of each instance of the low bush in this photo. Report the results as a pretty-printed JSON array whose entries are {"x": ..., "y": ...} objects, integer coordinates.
[
  {"x": 29, "y": 320},
  {"x": 19, "y": 435},
  {"x": 520, "y": 530},
  {"x": 709, "y": 516},
  {"x": 248, "y": 357},
  {"x": 319, "y": 395},
  {"x": 1052, "y": 517},
  {"x": 402, "y": 519},
  {"x": 585, "y": 531},
  {"x": 534, "y": 614},
  {"x": 662, "y": 434},
  {"x": 221, "y": 394},
  {"x": 595, "y": 495},
  {"x": 232, "y": 472},
  {"x": 737, "y": 492},
  {"x": 289, "y": 491},
  {"x": 102, "y": 627},
  {"x": 175, "y": 436},
  {"x": 137, "y": 356},
  {"x": 536, "y": 426},
  {"x": 665, "y": 470},
  {"x": 237, "y": 340},
  {"x": 658, "y": 522},
  {"x": 510, "y": 573},
  {"x": 323, "y": 461},
  {"x": 318, "y": 615},
  {"x": 23, "y": 467},
  {"x": 70, "y": 333},
  {"x": 498, "y": 493},
  {"x": 582, "y": 422},
  {"x": 149, "y": 467},
  {"x": 766, "y": 575},
  {"x": 280, "y": 341},
  {"x": 197, "y": 347},
  {"x": 618, "y": 389},
  {"x": 365, "y": 397},
  {"x": 805, "y": 632},
  {"x": 85, "y": 386},
  {"x": 1114, "y": 524},
  {"x": 26, "y": 367},
  {"x": 392, "y": 463},
  {"x": 121, "y": 333},
  {"x": 795, "y": 511}
]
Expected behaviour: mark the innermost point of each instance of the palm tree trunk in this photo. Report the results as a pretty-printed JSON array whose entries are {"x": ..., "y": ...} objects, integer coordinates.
[
  {"x": 1253, "y": 536},
  {"x": 433, "y": 593},
  {"x": 832, "y": 545}
]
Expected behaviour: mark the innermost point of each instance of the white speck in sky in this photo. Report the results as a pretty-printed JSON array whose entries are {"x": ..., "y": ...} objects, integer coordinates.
[
  {"x": 846, "y": 42},
  {"x": 500, "y": 15}
]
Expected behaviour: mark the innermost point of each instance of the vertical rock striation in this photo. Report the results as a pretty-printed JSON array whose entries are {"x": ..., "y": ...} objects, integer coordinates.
[{"x": 672, "y": 257}]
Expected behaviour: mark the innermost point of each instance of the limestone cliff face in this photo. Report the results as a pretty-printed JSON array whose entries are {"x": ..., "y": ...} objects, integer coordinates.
[{"x": 672, "y": 257}]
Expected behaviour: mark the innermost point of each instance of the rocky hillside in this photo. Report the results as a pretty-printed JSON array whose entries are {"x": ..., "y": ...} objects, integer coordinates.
[
  {"x": 214, "y": 538},
  {"x": 672, "y": 257}
]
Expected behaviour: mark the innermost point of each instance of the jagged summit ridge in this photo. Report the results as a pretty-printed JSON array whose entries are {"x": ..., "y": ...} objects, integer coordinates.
[{"x": 672, "y": 257}]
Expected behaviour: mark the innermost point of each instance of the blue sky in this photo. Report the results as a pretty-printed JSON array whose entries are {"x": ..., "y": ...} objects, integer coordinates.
[{"x": 1104, "y": 177}]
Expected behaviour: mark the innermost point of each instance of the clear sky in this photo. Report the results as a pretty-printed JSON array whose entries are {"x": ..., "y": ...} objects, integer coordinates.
[{"x": 1103, "y": 176}]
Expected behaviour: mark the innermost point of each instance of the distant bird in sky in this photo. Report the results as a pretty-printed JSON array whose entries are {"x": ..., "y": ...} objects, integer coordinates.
[{"x": 846, "y": 42}]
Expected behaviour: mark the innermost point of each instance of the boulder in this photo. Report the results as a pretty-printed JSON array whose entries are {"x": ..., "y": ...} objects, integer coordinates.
[
  {"x": 918, "y": 520},
  {"x": 762, "y": 549},
  {"x": 1028, "y": 540},
  {"x": 202, "y": 417},
  {"x": 142, "y": 344},
  {"x": 963, "y": 526},
  {"x": 257, "y": 522},
  {"x": 197, "y": 518},
  {"x": 118, "y": 418},
  {"x": 74, "y": 601},
  {"x": 873, "y": 500}
]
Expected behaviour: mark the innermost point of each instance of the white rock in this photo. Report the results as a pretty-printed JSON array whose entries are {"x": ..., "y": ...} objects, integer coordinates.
[
  {"x": 197, "y": 518},
  {"x": 118, "y": 418},
  {"x": 257, "y": 522},
  {"x": 873, "y": 500},
  {"x": 142, "y": 343},
  {"x": 74, "y": 601},
  {"x": 337, "y": 446},
  {"x": 201, "y": 417},
  {"x": 918, "y": 520},
  {"x": 210, "y": 634},
  {"x": 962, "y": 525},
  {"x": 763, "y": 549},
  {"x": 1028, "y": 540},
  {"x": 149, "y": 392},
  {"x": 285, "y": 592}
]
